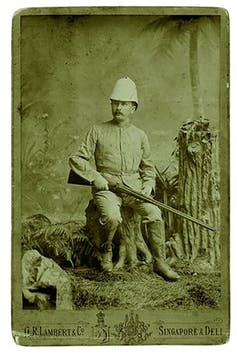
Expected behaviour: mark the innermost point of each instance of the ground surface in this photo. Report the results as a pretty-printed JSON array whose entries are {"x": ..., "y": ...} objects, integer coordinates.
[
  {"x": 141, "y": 288},
  {"x": 198, "y": 287}
]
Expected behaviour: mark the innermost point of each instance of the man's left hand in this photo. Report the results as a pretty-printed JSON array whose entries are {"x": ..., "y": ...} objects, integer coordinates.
[{"x": 146, "y": 190}]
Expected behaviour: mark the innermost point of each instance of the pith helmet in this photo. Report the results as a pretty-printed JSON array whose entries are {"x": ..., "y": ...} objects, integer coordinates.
[{"x": 125, "y": 90}]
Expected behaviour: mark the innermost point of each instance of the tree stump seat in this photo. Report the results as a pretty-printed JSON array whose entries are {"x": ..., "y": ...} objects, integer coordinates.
[{"x": 129, "y": 245}]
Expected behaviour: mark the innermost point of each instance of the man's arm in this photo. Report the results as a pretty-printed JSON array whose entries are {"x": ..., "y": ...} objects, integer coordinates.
[
  {"x": 147, "y": 170},
  {"x": 80, "y": 161}
]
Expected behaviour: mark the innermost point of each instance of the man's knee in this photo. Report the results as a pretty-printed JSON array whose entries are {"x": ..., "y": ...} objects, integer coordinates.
[
  {"x": 111, "y": 220},
  {"x": 152, "y": 214},
  {"x": 108, "y": 205}
]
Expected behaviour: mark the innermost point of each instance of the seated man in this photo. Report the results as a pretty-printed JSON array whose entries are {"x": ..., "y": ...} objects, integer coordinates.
[{"x": 122, "y": 155}]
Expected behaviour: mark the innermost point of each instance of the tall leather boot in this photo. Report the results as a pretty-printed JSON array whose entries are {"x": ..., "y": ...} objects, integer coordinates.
[
  {"x": 156, "y": 234},
  {"x": 106, "y": 253},
  {"x": 106, "y": 259}
]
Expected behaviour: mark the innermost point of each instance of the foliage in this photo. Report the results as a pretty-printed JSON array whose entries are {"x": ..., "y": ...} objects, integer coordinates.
[
  {"x": 65, "y": 243},
  {"x": 167, "y": 186},
  {"x": 135, "y": 288},
  {"x": 171, "y": 31},
  {"x": 45, "y": 168}
]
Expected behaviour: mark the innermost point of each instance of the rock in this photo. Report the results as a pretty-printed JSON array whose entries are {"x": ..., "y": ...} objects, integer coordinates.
[{"x": 42, "y": 279}]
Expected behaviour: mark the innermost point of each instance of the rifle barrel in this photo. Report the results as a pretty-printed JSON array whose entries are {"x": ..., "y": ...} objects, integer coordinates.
[{"x": 124, "y": 189}]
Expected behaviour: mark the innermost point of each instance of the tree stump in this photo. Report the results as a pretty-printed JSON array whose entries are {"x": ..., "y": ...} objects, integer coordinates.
[
  {"x": 129, "y": 246},
  {"x": 199, "y": 190}
]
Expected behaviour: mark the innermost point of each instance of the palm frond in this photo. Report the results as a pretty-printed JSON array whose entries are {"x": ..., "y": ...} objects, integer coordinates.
[
  {"x": 54, "y": 130},
  {"x": 28, "y": 152},
  {"x": 166, "y": 32},
  {"x": 209, "y": 27},
  {"x": 166, "y": 35}
]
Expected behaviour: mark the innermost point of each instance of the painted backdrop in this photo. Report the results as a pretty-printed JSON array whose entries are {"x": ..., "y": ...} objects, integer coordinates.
[{"x": 69, "y": 66}]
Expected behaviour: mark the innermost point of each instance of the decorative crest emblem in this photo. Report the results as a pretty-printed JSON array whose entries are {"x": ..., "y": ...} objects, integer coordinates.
[
  {"x": 101, "y": 330},
  {"x": 132, "y": 330}
]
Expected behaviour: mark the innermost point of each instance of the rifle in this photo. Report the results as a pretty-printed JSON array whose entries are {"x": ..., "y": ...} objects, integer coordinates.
[
  {"x": 137, "y": 195},
  {"x": 75, "y": 179}
]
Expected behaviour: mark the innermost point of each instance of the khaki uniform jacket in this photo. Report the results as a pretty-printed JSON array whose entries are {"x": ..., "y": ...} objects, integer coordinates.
[{"x": 121, "y": 155}]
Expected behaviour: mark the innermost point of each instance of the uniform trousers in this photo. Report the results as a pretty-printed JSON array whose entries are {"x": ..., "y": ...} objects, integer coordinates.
[{"x": 109, "y": 204}]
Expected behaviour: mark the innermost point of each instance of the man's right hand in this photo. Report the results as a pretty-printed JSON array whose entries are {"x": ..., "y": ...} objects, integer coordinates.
[{"x": 101, "y": 184}]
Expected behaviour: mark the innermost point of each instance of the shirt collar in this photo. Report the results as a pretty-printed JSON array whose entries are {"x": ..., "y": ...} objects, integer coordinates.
[{"x": 122, "y": 126}]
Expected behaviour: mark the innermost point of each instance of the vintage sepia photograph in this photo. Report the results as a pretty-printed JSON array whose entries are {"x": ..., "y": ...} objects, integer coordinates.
[{"x": 120, "y": 176}]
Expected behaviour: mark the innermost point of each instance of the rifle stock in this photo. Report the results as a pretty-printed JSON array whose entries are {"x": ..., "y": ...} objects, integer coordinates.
[{"x": 74, "y": 178}]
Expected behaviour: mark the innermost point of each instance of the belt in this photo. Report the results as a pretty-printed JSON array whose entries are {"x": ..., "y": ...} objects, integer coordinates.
[{"x": 117, "y": 173}]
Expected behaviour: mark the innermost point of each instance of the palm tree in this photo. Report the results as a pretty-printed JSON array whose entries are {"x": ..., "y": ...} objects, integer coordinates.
[
  {"x": 187, "y": 31},
  {"x": 198, "y": 157}
]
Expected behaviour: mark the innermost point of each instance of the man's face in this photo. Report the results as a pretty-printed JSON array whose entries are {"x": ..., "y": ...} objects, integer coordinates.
[{"x": 121, "y": 110}]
